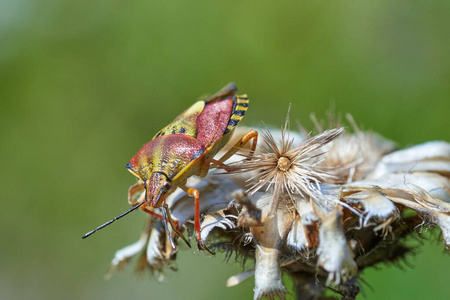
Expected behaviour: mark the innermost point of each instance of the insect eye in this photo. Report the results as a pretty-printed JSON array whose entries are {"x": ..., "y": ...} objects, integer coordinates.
[{"x": 167, "y": 186}]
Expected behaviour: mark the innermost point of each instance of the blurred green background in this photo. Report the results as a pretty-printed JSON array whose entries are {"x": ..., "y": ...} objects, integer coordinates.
[{"x": 84, "y": 84}]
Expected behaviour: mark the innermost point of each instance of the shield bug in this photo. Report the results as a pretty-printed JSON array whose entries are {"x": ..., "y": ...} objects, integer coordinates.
[{"x": 184, "y": 148}]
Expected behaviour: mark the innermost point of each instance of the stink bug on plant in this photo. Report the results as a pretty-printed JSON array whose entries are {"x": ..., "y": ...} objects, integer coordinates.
[{"x": 184, "y": 148}]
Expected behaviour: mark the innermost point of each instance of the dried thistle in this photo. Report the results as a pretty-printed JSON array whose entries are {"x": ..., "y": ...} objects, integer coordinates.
[
  {"x": 284, "y": 168},
  {"x": 320, "y": 208}
]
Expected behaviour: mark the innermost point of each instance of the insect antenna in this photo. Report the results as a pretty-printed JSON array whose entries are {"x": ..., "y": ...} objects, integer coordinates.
[{"x": 111, "y": 221}]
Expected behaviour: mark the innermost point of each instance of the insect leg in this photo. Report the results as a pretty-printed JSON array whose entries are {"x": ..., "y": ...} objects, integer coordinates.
[
  {"x": 208, "y": 163},
  {"x": 196, "y": 194},
  {"x": 167, "y": 217},
  {"x": 168, "y": 232},
  {"x": 151, "y": 212},
  {"x": 252, "y": 134},
  {"x": 133, "y": 190},
  {"x": 174, "y": 224}
]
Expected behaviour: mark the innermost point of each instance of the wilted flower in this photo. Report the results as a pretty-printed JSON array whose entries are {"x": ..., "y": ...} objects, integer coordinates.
[{"x": 320, "y": 208}]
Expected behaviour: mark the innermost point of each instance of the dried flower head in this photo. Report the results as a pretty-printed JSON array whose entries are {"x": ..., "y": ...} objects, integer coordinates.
[
  {"x": 285, "y": 169},
  {"x": 319, "y": 208}
]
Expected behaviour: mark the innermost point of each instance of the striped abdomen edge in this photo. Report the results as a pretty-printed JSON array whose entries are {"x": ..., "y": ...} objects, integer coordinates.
[{"x": 239, "y": 108}]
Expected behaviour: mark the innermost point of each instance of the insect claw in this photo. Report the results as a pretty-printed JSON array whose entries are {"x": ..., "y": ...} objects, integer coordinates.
[
  {"x": 184, "y": 239},
  {"x": 202, "y": 246}
]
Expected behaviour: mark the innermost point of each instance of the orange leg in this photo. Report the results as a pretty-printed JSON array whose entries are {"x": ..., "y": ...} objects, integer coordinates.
[
  {"x": 209, "y": 162},
  {"x": 151, "y": 212},
  {"x": 133, "y": 190},
  {"x": 167, "y": 217},
  {"x": 252, "y": 134},
  {"x": 196, "y": 194}
]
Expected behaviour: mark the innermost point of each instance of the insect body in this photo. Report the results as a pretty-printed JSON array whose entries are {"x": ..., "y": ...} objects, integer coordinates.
[{"x": 184, "y": 148}]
